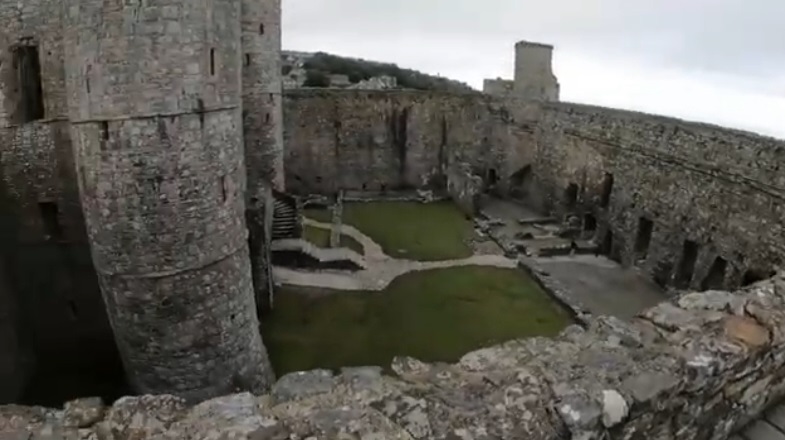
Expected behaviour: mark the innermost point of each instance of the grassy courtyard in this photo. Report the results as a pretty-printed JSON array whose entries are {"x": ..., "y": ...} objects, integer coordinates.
[
  {"x": 411, "y": 230},
  {"x": 435, "y": 315},
  {"x": 320, "y": 237}
]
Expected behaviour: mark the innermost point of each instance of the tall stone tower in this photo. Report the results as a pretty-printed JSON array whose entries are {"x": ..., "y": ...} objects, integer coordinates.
[
  {"x": 263, "y": 131},
  {"x": 534, "y": 78},
  {"x": 262, "y": 100},
  {"x": 154, "y": 94}
]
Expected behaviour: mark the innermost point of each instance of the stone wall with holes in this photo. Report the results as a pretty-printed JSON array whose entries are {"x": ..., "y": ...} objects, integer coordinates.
[
  {"x": 390, "y": 140},
  {"x": 697, "y": 368},
  {"x": 694, "y": 205}
]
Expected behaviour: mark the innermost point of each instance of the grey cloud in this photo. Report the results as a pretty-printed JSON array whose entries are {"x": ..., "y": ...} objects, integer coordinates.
[{"x": 733, "y": 36}]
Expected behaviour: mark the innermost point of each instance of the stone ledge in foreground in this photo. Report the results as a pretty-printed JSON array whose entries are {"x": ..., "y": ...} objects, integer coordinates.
[{"x": 695, "y": 368}]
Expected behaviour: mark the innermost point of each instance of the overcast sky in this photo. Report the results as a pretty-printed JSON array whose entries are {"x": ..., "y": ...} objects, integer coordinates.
[{"x": 719, "y": 61}]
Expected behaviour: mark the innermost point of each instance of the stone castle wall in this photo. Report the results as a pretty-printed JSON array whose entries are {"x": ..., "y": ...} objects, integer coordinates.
[
  {"x": 695, "y": 369},
  {"x": 381, "y": 140},
  {"x": 719, "y": 189}
]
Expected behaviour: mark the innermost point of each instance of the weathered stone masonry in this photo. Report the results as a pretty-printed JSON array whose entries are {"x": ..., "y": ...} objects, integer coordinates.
[
  {"x": 695, "y": 205},
  {"x": 44, "y": 244},
  {"x": 263, "y": 131},
  {"x": 155, "y": 107},
  {"x": 383, "y": 140}
]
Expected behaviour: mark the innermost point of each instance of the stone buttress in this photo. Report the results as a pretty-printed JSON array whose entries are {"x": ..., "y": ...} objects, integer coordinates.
[{"x": 154, "y": 92}]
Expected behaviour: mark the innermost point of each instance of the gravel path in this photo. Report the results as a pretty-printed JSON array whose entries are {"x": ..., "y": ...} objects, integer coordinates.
[{"x": 382, "y": 268}]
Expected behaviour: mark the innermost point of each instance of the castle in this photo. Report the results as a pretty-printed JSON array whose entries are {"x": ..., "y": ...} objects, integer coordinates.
[{"x": 143, "y": 151}]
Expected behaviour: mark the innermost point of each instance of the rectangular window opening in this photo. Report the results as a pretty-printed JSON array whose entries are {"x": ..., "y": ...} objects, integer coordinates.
[
  {"x": 104, "y": 131},
  {"x": 643, "y": 239},
  {"x": 50, "y": 219},
  {"x": 212, "y": 61},
  {"x": 607, "y": 189},
  {"x": 30, "y": 106},
  {"x": 689, "y": 256},
  {"x": 571, "y": 196},
  {"x": 589, "y": 223},
  {"x": 715, "y": 279}
]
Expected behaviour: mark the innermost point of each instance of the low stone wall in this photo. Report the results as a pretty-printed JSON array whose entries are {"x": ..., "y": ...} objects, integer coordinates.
[{"x": 695, "y": 368}]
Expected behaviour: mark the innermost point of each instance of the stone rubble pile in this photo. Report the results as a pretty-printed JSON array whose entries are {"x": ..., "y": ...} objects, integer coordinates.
[{"x": 695, "y": 368}]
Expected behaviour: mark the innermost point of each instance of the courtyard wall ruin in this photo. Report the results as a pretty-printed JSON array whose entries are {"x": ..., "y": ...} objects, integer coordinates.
[
  {"x": 694, "y": 205},
  {"x": 391, "y": 140}
]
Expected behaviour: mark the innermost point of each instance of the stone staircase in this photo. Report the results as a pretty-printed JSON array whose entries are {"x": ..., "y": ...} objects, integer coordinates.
[
  {"x": 286, "y": 222},
  {"x": 299, "y": 253}
]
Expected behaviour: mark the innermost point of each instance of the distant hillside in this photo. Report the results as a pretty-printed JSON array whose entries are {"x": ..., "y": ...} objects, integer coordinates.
[{"x": 304, "y": 69}]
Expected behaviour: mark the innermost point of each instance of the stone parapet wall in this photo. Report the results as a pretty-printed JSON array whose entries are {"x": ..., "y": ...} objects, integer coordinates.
[{"x": 695, "y": 368}]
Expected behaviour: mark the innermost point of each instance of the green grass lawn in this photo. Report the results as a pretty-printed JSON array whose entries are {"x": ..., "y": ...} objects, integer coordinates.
[
  {"x": 320, "y": 237},
  {"x": 435, "y": 315},
  {"x": 412, "y": 230}
]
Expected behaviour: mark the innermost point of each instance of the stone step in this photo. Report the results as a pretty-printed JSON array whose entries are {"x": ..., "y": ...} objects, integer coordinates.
[{"x": 285, "y": 208}]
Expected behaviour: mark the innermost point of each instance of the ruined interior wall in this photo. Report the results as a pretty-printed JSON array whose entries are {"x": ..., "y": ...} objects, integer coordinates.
[
  {"x": 720, "y": 188},
  {"x": 50, "y": 269},
  {"x": 376, "y": 140}
]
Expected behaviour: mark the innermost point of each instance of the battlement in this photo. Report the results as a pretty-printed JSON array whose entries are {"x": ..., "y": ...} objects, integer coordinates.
[{"x": 524, "y": 43}]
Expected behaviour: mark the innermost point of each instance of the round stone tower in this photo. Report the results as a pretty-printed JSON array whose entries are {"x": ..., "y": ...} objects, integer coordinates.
[
  {"x": 263, "y": 132},
  {"x": 262, "y": 100},
  {"x": 534, "y": 78},
  {"x": 154, "y": 91}
]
